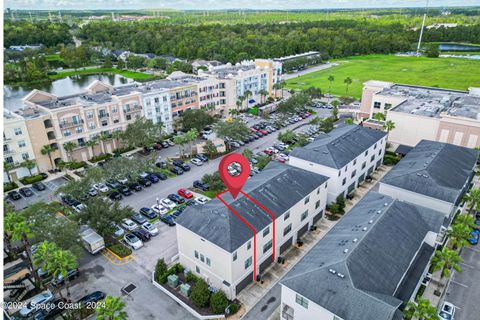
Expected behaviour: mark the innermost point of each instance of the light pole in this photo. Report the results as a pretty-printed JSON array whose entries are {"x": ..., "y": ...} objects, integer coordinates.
[{"x": 421, "y": 30}]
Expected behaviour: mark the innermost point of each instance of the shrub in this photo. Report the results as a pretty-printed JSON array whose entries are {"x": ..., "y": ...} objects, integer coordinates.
[
  {"x": 74, "y": 165},
  {"x": 253, "y": 111},
  {"x": 335, "y": 208},
  {"x": 233, "y": 308},
  {"x": 341, "y": 202},
  {"x": 390, "y": 160},
  {"x": 32, "y": 179},
  {"x": 191, "y": 278},
  {"x": 391, "y": 153},
  {"x": 160, "y": 269},
  {"x": 123, "y": 149},
  {"x": 7, "y": 186},
  {"x": 175, "y": 269},
  {"x": 218, "y": 302},
  {"x": 100, "y": 157},
  {"x": 120, "y": 250},
  {"x": 200, "y": 294}
]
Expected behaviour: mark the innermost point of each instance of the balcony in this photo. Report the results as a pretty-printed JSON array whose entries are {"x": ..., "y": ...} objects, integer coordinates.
[
  {"x": 103, "y": 115},
  {"x": 132, "y": 109},
  {"x": 65, "y": 125}
]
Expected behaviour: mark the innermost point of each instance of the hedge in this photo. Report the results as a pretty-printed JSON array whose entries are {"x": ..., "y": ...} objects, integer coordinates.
[
  {"x": 123, "y": 150},
  {"x": 120, "y": 250},
  {"x": 32, "y": 179},
  {"x": 253, "y": 111},
  {"x": 100, "y": 157},
  {"x": 7, "y": 186},
  {"x": 390, "y": 160},
  {"x": 218, "y": 302},
  {"x": 175, "y": 269}
]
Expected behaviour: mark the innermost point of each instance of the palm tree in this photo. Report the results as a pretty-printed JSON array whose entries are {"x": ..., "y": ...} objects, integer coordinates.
[
  {"x": 379, "y": 116},
  {"x": 102, "y": 137},
  {"x": 7, "y": 167},
  {"x": 335, "y": 113},
  {"x": 466, "y": 220},
  {"x": 473, "y": 199},
  {"x": 62, "y": 261},
  {"x": 10, "y": 221},
  {"x": 389, "y": 126},
  {"x": 349, "y": 121},
  {"x": 459, "y": 234},
  {"x": 91, "y": 145},
  {"x": 422, "y": 310},
  {"x": 347, "y": 81},
  {"x": 47, "y": 150},
  {"x": 232, "y": 112},
  {"x": 445, "y": 260},
  {"x": 263, "y": 94},
  {"x": 276, "y": 86},
  {"x": 69, "y": 147},
  {"x": 112, "y": 309},
  {"x": 116, "y": 136},
  {"x": 247, "y": 94},
  {"x": 331, "y": 78},
  {"x": 29, "y": 165}
]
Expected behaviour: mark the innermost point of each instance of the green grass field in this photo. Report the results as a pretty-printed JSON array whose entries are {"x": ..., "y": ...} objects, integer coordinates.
[
  {"x": 128, "y": 74},
  {"x": 452, "y": 73}
]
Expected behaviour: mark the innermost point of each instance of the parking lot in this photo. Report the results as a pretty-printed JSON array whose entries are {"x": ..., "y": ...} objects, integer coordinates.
[
  {"x": 46, "y": 195},
  {"x": 463, "y": 291}
]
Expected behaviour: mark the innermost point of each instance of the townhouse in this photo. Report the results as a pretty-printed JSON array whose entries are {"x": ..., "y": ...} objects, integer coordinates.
[
  {"x": 347, "y": 155},
  {"x": 229, "y": 249},
  {"x": 433, "y": 174},
  {"x": 367, "y": 266},
  {"x": 436, "y": 114}
]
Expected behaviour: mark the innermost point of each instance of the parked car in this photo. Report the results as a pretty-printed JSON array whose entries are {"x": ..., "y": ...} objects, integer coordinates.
[
  {"x": 196, "y": 161},
  {"x": 113, "y": 184},
  {"x": 149, "y": 213},
  {"x": 101, "y": 187},
  {"x": 50, "y": 310},
  {"x": 14, "y": 195},
  {"x": 201, "y": 200},
  {"x": 160, "y": 175},
  {"x": 153, "y": 178},
  {"x": 185, "y": 193},
  {"x": 115, "y": 195},
  {"x": 92, "y": 192},
  {"x": 92, "y": 297},
  {"x": 78, "y": 206},
  {"x": 167, "y": 219},
  {"x": 144, "y": 182},
  {"x": 26, "y": 192},
  {"x": 135, "y": 186},
  {"x": 128, "y": 224},
  {"x": 200, "y": 185},
  {"x": 147, "y": 226},
  {"x": 133, "y": 241},
  {"x": 161, "y": 210},
  {"x": 71, "y": 274},
  {"x": 177, "y": 170},
  {"x": 118, "y": 231},
  {"x": 168, "y": 203},
  {"x": 36, "y": 302},
  {"x": 202, "y": 157},
  {"x": 142, "y": 234},
  {"x": 190, "y": 202},
  {"x": 161, "y": 164},
  {"x": 39, "y": 186},
  {"x": 138, "y": 218},
  {"x": 474, "y": 237},
  {"x": 447, "y": 312},
  {"x": 176, "y": 198},
  {"x": 164, "y": 144},
  {"x": 124, "y": 190}
]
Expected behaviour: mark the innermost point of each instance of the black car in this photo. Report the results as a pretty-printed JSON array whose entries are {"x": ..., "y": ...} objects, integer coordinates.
[
  {"x": 135, "y": 186},
  {"x": 167, "y": 219},
  {"x": 181, "y": 208},
  {"x": 200, "y": 185},
  {"x": 14, "y": 195},
  {"x": 115, "y": 195},
  {"x": 142, "y": 234},
  {"x": 93, "y": 297},
  {"x": 144, "y": 182},
  {"x": 177, "y": 170},
  {"x": 125, "y": 190},
  {"x": 138, "y": 218},
  {"x": 176, "y": 198},
  {"x": 26, "y": 192},
  {"x": 72, "y": 274},
  {"x": 161, "y": 164},
  {"x": 50, "y": 310},
  {"x": 39, "y": 186},
  {"x": 176, "y": 213},
  {"x": 69, "y": 201},
  {"x": 185, "y": 167},
  {"x": 149, "y": 213},
  {"x": 113, "y": 184},
  {"x": 190, "y": 203},
  {"x": 177, "y": 162},
  {"x": 160, "y": 175},
  {"x": 202, "y": 157}
]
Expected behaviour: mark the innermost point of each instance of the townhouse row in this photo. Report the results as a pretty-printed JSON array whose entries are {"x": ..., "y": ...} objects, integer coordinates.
[{"x": 101, "y": 109}]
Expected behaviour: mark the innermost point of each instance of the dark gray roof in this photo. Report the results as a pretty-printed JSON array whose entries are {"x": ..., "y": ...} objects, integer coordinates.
[
  {"x": 340, "y": 146},
  {"x": 278, "y": 187},
  {"x": 435, "y": 169},
  {"x": 373, "y": 265}
]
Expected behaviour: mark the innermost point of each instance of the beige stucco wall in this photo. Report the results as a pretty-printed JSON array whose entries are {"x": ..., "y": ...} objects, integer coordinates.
[{"x": 411, "y": 129}]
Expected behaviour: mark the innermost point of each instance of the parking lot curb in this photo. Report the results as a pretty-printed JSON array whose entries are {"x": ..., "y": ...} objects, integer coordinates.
[{"x": 115, "y": 259}]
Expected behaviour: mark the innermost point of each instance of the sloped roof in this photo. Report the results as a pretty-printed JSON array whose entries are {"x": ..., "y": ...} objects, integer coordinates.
[
  {"x": 340, "y": 146},
  {"x": 278, "y": 187},
  {"x": 373, "y": 261},
  {"x": 435, "y": 169}
]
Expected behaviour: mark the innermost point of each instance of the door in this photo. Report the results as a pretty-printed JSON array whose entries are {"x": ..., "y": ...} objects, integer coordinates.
[
  {"x": 242, "y": 284},
  {"x": 302, "y": 231},
  {"x": 286, "y": 245},
  {"x": 264, "y": 265}
]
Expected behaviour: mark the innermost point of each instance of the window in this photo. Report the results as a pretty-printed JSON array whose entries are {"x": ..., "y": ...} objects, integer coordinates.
[
  {"x": 364, "y": 165},
  {"x": 301, "y": 301},
  {"x": 375, "y": 146},
  {"x": 318, "y": 190},
  {"x": 9, "y": 159},
  {"x": 196, "y": 254},
  {"x": 66, "y": 133},
  {"x": 197, "y": 269},
  {"x": 354, "y": 173},
  {"x": 114, "y": 110},
  {"x": 355, "y": 162},
  {"x": 17, "y": 131},
  {"x": 25, "y": 156},
  {"x": 346, "y": 168},
  {"x": 307, "y": 199},
  {"x": 317, "y": 204},
  {"x": 388, "y": 106},
  {"x": 91, "y": 125},
  {"x": 286, "y": 216},
  {"x": 249, "y": 245},
  {"x": 248, "y": 263},
  {"x": 339, "y": 172},
  {"x": 287, "y": 229},
  {"x": 89, "y": 115},
  {"x": 366, "y": 153},
  {"x": 267, "y": 246},
  {"x": 380, "y": 152},
  {"x": 344, "y": 181},
  {"x": 266, "y": 232},
  {"x": 235, "y": 256},
  {"x": 304, "y": 215},
  {"x": 208, "y": 262},
  {"x": 78, "y": 129},
  {"x": 372, "y": 157},
  {"x": 202, "y": 258},
  {"x": 377, "y": 105},
  {"x": 21, "y": 144}
]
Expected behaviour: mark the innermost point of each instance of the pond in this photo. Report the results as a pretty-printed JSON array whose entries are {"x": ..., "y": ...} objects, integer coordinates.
[
  {"x": 13, "y": 95},
  {"x": 457, "y": 47}
]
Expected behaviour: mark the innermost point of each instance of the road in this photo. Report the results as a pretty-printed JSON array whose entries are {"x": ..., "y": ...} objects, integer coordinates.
[{"x": 288, "y": 76}]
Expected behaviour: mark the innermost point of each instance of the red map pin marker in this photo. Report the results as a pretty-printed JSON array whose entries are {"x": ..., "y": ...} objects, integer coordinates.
[{"x": 234, "y": 171}]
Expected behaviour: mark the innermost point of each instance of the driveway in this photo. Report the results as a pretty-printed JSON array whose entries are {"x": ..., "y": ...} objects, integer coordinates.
[{"x": 288, "y": 76}]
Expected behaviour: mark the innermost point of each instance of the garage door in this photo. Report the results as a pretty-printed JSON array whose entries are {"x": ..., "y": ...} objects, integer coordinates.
[
  {"x": 351, "y": 187},
  {"x": 265, "y": 264},
  {"x": 378, "y": 163},
  {"x": 317, "y": 217},
  {"x": 242, "y": 284},
  {"x": 361, "y": 178},
  {"x": 370, "y": 170},
  {"x": 286, "y": 245},
  {"x": 302, "y": 231}
]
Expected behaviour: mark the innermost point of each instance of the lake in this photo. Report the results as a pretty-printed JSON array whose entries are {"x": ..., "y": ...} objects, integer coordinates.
[
  {"x": 13, "y": 95},
  {"x": 457, "y": 47}
]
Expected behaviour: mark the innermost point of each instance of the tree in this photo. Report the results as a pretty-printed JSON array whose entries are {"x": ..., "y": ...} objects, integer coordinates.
[
  {"x": 313, "y": 92},
  {"x": 102, "y": 137},
  {"x": 7, "y": 167},
  {"x": 459, "y": 235},
  {"x": 210, "y": 149},
  {"x": 142, "y": 133},
  {"x": 47, "y": 150},
  {"x": 200, "y": 294},
  {"x": 241, "y": 99},
  {"x": 262, "y": 161},
  {"x": 160, "y": 268},
  {"x": 151, "y": 63},
  {"x": 279, "y": 86},
  {"x": 235, "y": 130},
  {"x": 422, "y": 310},
  {"x": 389, "y": 126},
  {"x": 247, "y": 94},
  {"x": 302, "y": 140},
  {"x": 446, "y": 260},
  {"x": 60, "y": 262},
  {"x": 247, "y": 153},
  {"x": 331, "y": 78},
  {"x": 287, "y": 136},
  {"x": 218, "y": 302},
  {"x": 196, "y": 118},
  {"x": 466, "y": 220},
  {"x": 214, "y": 181},
  {"x": 120, "y": 64},
  {"x": 116, "y": 136},
  {"x": 379, "y": 116},
  {"x": 107, "y": 63},
  {"x": 10, "y": 221},
  {"x": 335, "y": 113},
  {"x": 29, "y": 165},
  {"x": 348, "y": 121},
  {"x": 347, "y": 81},
  {"x": 69, "y": 147},
  {"x": 263, "y": 93},
  {"x": 91, "y": 145},
  {"x": 326, "y": 125},
  {"x": 473, "y": 199},
  {"x": 432, "y": 51},
  {"x": 111, "y": 309}
]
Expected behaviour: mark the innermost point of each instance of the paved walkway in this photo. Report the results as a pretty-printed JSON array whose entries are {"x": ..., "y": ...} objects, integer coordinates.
[{"x": 288, "y": 76}]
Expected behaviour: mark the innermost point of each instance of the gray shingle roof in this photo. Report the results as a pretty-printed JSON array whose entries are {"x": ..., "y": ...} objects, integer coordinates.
[
  {"x": 435, "y": 169},
  {"x": 340, "y": 146},
  {"x": 373, "y": 266},
  {"x": 278, "y": 187}
]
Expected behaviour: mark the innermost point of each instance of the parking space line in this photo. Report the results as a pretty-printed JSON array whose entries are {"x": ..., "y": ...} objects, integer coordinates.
[
  {"x": 476, "y": 250},
  {"x": 460, "y": 284},
  {"x": 467, "y": 265}
]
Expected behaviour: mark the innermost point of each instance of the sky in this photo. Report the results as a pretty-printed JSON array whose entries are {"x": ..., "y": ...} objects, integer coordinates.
[{"x": 226, "y": 4}]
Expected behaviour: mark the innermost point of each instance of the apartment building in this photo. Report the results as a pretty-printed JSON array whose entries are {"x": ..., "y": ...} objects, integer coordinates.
[
  {"x": 230, "y": 249},
  {"x": 156, "y": 104},
  {"x": 435, "y": 114},
  {"x": 17, "y": 146},
  {"x": 433, "y": 174},
  {"x": 367, "y": 266},
  {"x": 347, "y": 155}
]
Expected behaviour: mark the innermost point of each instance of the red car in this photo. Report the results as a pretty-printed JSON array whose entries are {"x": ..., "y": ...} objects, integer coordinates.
[
  {"x": 264, "y": 132},
  {"x": 185, "y": 193},
  {"x": 268, "y": 151}
]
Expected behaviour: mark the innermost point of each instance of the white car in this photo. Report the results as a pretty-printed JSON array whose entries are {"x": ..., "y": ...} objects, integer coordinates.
[
  {"x": 167, "y": 203},
  {"x": 310, "y": 139},
  {"x": 35, "y": 303},
  {"x": 79, "y": 207},
  {"x": 123, "y": 180},
  {"x": 143, "y": 175},
  {"x": 196, "y": 161},
  {"x": 275, "y": 151},
  {"x": 101, "y": 187},
  {"x": 283, "y": 156},
  {"x": 133, "y": 241},
  {"x": 201, "y": 200},
  {"x": 161, "y": 210},
  {"x": 447, "y": 312},
  {"x": 150, "y": 228},
  {"x": 129, "y": 224},
  {"x": 118, "y": 231}
]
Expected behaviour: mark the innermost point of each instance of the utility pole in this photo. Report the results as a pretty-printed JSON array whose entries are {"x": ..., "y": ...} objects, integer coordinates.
[
  {"x": 421, "y": 30},
  {"x": 31, "y": 20}
]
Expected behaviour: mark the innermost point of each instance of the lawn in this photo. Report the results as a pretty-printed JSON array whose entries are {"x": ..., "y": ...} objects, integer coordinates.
[
  {"x": 138, "y": 76},
  {"x": 452, "y": 73}
]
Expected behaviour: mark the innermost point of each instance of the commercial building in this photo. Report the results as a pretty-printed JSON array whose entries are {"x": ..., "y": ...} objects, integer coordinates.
[
  {"x": 433, "y": 174},
  {"x": 228, "y": 249},
  {"x": 347, "y": 155},
  {"x": 435, "y": 114},
  {"x": 367, "y": 266}
]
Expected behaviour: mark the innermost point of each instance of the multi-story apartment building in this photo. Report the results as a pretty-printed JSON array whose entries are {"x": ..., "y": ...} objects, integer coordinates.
[
  {"x": 17, "y": 146},
  {"x": 229, "y": 249},
  {"x": 347, "y": 155},
  {"x": 367, "y": 266},
  {"x": 435, "y": 114},
  {"x": 156, "y": 104}
]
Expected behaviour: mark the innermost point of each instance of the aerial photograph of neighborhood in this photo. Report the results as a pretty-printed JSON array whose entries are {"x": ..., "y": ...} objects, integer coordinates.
[{"x": 241, "y": 159}]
